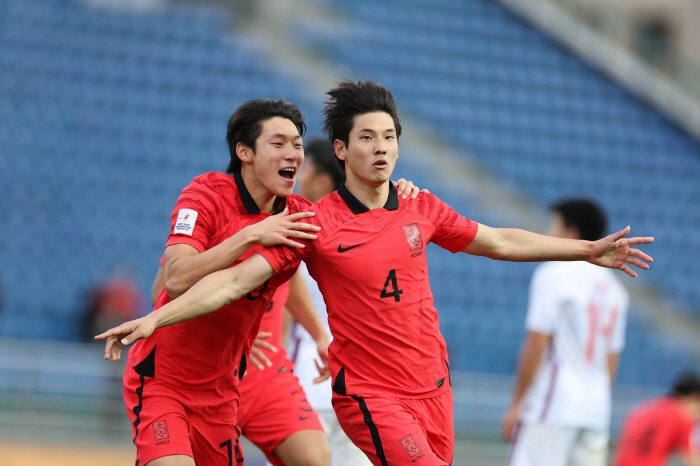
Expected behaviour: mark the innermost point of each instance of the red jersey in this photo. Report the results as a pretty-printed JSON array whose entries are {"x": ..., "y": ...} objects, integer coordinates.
[
  {"x": 212, "y": 350},
  {"x": 371, "y": 268},
  {"x": 653, "y": 431}
]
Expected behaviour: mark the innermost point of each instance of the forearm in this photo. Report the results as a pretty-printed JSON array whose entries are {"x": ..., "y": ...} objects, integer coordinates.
[
  {"x": 530, "y": 359},
  {"x": 524, "y": 246},
  {"x": 187, "y": 270},
  {"x": 300, "y": 306},
  {"x": 214, "y": 291},
  {"x": 613, "y": 361}
]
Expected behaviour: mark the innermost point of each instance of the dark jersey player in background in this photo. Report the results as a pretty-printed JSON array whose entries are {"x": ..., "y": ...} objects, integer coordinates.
[{"x": 390, "y": 368}]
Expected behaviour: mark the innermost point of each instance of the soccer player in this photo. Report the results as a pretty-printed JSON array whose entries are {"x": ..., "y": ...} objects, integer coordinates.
[
  {"x": 658, "y": 428},
  {"x": 391, "y": 385},
  {"x": 560, "y": 412},
  {"x": 182, "y": 397},
  {"x": 319, "y": 177}
]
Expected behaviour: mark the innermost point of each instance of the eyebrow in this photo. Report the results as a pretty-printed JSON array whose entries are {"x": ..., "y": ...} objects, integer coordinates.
[
  {"x": 282, "y": 135},
  {"x": 368, "y": 130}
]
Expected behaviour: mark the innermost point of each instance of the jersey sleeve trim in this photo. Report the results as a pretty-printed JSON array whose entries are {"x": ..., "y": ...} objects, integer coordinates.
[
  {"x": 271, "y": 259},
  {"x": 183, "y": 239}
]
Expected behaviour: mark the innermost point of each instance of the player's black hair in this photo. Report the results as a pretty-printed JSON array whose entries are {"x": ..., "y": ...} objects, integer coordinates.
[
  {"x": 246, "y": 124},
  {"x": 686, "y": 384},
  {"x": 349, "y": 100},
  {"x": 585, "y": 215},
  {"x": 321, "y": 151}
]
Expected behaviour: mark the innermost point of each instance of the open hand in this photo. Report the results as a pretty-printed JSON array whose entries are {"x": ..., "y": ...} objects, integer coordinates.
[
  {"x": 323, "y": 370},
  {"x": 615, "y": 251},
  {"x": 119, "y": 337},
  {"x": 278, "y": 229},
  {"x": 404, "y": 188},
  {"x": 257, "y": 357}
]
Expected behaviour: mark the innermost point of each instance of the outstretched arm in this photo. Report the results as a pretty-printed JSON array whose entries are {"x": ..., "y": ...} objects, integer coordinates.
[
  {"x": 209, "y": 294},
  {"x": 614, "y": 251}
]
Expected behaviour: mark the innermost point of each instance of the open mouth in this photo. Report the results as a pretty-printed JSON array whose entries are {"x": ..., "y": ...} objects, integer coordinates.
[
  {"x": 288, "y": 173},
  {"x": 380, "y": 164}
]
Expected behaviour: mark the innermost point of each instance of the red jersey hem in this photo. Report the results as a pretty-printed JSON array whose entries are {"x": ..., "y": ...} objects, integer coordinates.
[{"x": 179, "y": 239}]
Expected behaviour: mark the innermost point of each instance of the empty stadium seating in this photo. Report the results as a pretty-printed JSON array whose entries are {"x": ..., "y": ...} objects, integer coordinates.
[{"x": 107, "y": 115}]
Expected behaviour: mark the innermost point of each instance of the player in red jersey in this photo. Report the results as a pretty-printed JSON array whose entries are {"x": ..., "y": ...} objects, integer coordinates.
[
  {"x": 658, "y": 428},
  {"x": 182, "y": 399},
  {"x": 388, "y": 359}
]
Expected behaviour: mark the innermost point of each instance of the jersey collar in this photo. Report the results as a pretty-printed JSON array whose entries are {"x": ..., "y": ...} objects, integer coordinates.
[
  {"x": 357, "y": 207},
  {"x": 250, "y": 206}
]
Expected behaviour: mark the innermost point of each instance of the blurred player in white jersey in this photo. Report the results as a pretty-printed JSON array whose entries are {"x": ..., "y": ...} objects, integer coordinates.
[
  {"x": 319, "y": 177},
  {"x": 560, "y": 412}
]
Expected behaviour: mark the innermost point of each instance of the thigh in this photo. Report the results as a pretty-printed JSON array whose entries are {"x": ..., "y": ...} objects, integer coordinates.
[
  {"x": 540, "y": 444},
  {"x": 386, "y": 430},
  {"x": 158, "y": 415},
  {"x": 590, "y": 449},
  {"x": 215, "y": 434},
  {"x": 343, "y": 451},
  {"x": 279, "y": 409},
  {"x": 436, "y": 416}
]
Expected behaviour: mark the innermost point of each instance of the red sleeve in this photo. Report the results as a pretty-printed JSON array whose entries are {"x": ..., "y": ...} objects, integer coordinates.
[
  {"x": 286, "y": 257},
  {"x": 452, "y": 231},
  {"x": 685, "y": 442},
  {"x": 193, "y": 220}
]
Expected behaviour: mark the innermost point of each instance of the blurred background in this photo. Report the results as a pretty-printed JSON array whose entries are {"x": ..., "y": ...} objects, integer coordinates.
[{"x": 108, "y": 108}]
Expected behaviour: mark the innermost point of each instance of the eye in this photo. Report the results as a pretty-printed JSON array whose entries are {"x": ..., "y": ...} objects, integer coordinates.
[
  {"x": 366, "y": 137},
  {"x": 390, "y": 137}
]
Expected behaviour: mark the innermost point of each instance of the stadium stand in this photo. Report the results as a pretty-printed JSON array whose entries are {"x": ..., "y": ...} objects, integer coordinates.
[
  {"x": 533, "y": 113},
  {"x": 108, "y": 114}
]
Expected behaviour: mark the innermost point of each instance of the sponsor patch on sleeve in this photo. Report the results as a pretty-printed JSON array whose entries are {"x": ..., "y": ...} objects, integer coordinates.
[{"x": 185, "y": 222}]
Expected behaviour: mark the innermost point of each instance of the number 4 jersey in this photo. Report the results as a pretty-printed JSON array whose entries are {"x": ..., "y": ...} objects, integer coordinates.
[
  {"x": 584, "y": 309},
  {"x": 371, "y": 268}
]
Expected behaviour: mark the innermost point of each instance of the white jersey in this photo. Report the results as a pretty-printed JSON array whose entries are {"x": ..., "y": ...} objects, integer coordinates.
[
  {"x": 302, "y": 350},
  {"x": 584, "y": 308}
]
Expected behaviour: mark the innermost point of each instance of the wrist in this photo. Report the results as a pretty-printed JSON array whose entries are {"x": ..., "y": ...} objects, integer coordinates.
[{"x": 247, "y": 236}]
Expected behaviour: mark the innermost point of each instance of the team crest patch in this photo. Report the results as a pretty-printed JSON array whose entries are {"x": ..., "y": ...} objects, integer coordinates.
[
  {"x": 160, "y": 430},
  {"x": 186, "y": 219},
  {"x": 412, "y": 232},
  {"x": 410, "y": 445}
]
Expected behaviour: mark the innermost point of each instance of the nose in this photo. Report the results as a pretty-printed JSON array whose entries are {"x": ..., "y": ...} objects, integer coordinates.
[
  {"x": 291, "y": 154},
  {"x": 379, "y": 147}
]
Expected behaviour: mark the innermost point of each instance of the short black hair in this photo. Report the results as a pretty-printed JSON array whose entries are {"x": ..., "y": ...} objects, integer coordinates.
[
  {"x": 688, "y": 383},
  {"x": 350, "y": 99},
  {"x": 245, "y": 125},
  {"x": 585, "y": 215},
  {"x": 321, "y": 151}
]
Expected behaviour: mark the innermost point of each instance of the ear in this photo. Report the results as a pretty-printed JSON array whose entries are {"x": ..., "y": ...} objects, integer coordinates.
[
  {"x": 244, "y": 153},
  {"x": 340, "y": 149}
]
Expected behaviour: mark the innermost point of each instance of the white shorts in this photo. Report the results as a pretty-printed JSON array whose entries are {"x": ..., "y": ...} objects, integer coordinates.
[{"x": 546, "y": 445}]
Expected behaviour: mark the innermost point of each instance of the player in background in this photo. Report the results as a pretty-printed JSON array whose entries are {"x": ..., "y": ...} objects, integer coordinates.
[
  {"x": 658, "y": 428},
  {"x": 319, "y": 177},
  {"x": 561, "y": 406},
  {"x": 391, "y": 385}
]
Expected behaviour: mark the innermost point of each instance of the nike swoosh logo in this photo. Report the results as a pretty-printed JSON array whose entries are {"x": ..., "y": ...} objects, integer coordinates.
[
  {"x": 304, "y": 418},
  {"x": 341, "y": 249}
]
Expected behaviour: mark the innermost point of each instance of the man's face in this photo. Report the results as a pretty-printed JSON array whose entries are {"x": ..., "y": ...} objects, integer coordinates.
[
  {"x": 559, "y": 229},
  {"x": 372, "y": 149},
  {"x": 278, "y": 156}
]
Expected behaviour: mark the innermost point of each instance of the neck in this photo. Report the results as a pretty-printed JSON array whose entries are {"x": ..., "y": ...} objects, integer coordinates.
[
  {"x": 371, "y": 196},
  {"x": 262, "y": 196}
]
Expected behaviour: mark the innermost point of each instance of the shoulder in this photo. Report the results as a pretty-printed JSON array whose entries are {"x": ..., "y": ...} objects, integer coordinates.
[
  {"x": 212, "y": 181},
  {"x": 297, "y": 203},
  {"x": 426, "y": 204}
]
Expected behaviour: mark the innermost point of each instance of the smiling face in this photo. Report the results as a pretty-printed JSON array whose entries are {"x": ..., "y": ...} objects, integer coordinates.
[
  {"x": 372, "y": 150},
  {"x": 278, "y": 157}
]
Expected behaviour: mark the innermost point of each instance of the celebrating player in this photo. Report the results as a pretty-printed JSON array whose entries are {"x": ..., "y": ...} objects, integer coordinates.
[
  {"x": 576, "y": 329},
  {"x": 391, "y": 385}
]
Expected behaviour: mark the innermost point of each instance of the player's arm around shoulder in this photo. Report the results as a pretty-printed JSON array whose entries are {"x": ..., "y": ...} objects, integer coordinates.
[{"x": 209, "y": 294}]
